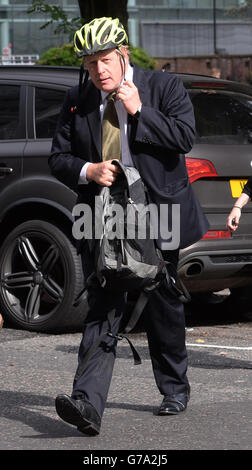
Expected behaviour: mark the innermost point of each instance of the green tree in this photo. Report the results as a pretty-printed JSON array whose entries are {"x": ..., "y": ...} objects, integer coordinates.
[
  {"x": 56, "y": 17},
  {"x": 88, "y": 10},
  {"x": 141, "y": 58},
  {"x": 243, "y": 11},
  {"x": 65, "y": 56}
]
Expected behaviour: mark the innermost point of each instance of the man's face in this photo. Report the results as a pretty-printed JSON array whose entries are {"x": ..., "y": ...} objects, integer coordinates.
[{"x": 106, "y": 69}]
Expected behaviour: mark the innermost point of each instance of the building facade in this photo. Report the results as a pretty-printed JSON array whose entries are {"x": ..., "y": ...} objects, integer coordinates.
[
  {"x": 180, "y": 28},
  {"x": 20, "y": 32},
  {"x": 164, "y": 28}
]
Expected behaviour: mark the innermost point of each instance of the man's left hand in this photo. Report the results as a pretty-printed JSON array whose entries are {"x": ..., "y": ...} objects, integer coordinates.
[{"x": 128, "y": 94}]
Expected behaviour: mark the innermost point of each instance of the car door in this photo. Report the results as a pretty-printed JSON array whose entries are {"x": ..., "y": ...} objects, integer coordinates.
[
  {"x": 45, "y": 103},
  {"x": 12, "y": 140}
]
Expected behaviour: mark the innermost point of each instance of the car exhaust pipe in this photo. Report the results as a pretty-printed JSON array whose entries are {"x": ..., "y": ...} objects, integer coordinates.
[{"x": 192, "y": 269}]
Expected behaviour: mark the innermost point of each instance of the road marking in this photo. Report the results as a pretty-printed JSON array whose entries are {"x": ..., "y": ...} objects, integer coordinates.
[{"x": 240, "y": 348}]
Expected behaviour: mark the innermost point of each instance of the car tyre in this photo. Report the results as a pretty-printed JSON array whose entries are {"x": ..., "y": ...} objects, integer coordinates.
[{"x": 41, "y": 277}]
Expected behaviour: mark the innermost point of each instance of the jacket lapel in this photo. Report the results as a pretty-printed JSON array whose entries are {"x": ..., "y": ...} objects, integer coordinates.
[
  {"x": 139, "y": 80},
  {"x": 91, "y": 109}
]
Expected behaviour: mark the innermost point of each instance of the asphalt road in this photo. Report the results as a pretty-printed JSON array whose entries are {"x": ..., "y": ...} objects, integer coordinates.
[{"x": 35, "y": 367}]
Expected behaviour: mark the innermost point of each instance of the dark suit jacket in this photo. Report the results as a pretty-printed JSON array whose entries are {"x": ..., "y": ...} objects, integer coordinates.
[
  {"x": 248, "y": 188},
  {"x": 158, "y": 142}
]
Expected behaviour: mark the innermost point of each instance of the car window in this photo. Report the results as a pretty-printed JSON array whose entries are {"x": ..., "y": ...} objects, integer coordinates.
[
  {"x": 48, "y": 103},
  {"x": 9, "y": 111},
  {"x": 222, "y": 117}
]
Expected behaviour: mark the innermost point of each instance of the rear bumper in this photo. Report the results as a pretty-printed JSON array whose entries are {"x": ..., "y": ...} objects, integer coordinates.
[{"x": 212, "y": 270}]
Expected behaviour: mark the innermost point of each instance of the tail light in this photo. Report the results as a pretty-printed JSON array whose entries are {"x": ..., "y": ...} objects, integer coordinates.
[
  {"x": 199, "y": 168},
  {"x": 217, "y": 234}
]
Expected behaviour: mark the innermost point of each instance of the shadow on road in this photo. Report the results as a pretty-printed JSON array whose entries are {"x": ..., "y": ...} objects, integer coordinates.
[
  {"x": 32, "y": 410},
  {"x": 202, "y": 359}
]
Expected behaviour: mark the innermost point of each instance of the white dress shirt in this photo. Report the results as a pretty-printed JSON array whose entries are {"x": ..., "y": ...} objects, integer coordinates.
[{"x": 123, "y": 119}]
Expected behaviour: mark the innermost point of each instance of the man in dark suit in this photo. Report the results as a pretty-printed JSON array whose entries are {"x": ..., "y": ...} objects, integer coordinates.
[{"x": 156, "y": 122}]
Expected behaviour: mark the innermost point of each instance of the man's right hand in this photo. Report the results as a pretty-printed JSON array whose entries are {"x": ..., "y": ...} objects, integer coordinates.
[{"x": 103, "y": 173}]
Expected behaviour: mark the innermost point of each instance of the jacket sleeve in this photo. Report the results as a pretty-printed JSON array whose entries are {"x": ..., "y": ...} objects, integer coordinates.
[
  {"x": 63, "y": 163},
  {"x": 171, "y": 125},
  {"x": 248, "y": 188}
]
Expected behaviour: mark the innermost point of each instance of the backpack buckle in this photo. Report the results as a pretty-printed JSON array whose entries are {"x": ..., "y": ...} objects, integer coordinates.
[
  {"x": 151, "y": 287},
  {"x": 118, "y": 337}
]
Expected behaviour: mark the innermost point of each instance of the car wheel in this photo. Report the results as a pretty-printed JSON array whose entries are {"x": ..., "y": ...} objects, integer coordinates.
[{"x": 41, "y": 276}]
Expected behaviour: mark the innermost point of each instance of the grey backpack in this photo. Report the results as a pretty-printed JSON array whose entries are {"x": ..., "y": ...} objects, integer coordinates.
[{"x": 126, "y": 256}]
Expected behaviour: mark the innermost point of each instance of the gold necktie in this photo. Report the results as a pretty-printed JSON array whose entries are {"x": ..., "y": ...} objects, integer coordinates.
[{"x": 111, "y": 138}]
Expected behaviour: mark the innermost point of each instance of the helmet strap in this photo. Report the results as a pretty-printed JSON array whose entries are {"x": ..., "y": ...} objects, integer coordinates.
[
  {"x": 82, "y": 85},
  {"x": 123, "y": 63}
]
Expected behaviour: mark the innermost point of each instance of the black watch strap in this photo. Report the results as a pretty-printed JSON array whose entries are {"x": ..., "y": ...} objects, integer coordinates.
[{"x": 137, "y": 114}]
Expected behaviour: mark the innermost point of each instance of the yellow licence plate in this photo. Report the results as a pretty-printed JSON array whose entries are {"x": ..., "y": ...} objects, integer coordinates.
[{"x": 237, "y": 187}]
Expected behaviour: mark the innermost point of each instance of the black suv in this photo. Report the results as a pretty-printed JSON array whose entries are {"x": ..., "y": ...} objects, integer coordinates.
[{"x": 41, "y": 274}]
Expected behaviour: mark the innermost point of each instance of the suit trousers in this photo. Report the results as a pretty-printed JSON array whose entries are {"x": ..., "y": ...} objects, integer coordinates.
[{"x": 163, "y": 319}]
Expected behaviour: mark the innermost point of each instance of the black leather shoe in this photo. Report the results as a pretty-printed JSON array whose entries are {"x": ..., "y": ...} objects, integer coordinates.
[
  {"x": 174, "y": 404},
  {"x": 79, "y": 413}
]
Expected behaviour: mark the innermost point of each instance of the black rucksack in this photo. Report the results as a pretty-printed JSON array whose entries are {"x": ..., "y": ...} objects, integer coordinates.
[
  {"x": 126, "y": 256},
  {"x": 125, "y": 252}
]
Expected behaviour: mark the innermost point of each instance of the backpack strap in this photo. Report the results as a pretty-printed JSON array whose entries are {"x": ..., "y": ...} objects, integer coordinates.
[
  {"x": 80, "y": 297},
  {"x": 111, "y": 316},
  {"x": 82, "y": 366},
  {"x": 182, "y": 294},
  {"x": 141, "y": 303},
  {"x": 137, "y": 359},
  {"x": 137, "y": 310},
  {"x": 91, "y": 281}
]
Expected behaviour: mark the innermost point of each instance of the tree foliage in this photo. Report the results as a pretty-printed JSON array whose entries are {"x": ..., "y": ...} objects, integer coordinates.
[
  {"x": 88, "y": 10},
  {"x": 141, "y": 58},
  {"x": 65, "y": 56},
  {"x": 56, "y": 17},
  {"x": 243, "y": 11}
]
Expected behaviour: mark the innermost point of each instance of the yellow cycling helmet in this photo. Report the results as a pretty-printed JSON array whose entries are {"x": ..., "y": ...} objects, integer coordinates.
[{"x": 98, "y": 35}]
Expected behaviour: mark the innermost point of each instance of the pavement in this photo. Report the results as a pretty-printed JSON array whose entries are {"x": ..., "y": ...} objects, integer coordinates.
[{"x": 36, "y": 367}]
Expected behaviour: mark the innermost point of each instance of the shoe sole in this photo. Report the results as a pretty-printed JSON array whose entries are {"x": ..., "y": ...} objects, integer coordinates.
[
  {"x": 171, "y": 412},
  {"x": 69, "y": 413},
  {"x": 164, "y": 413}
]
